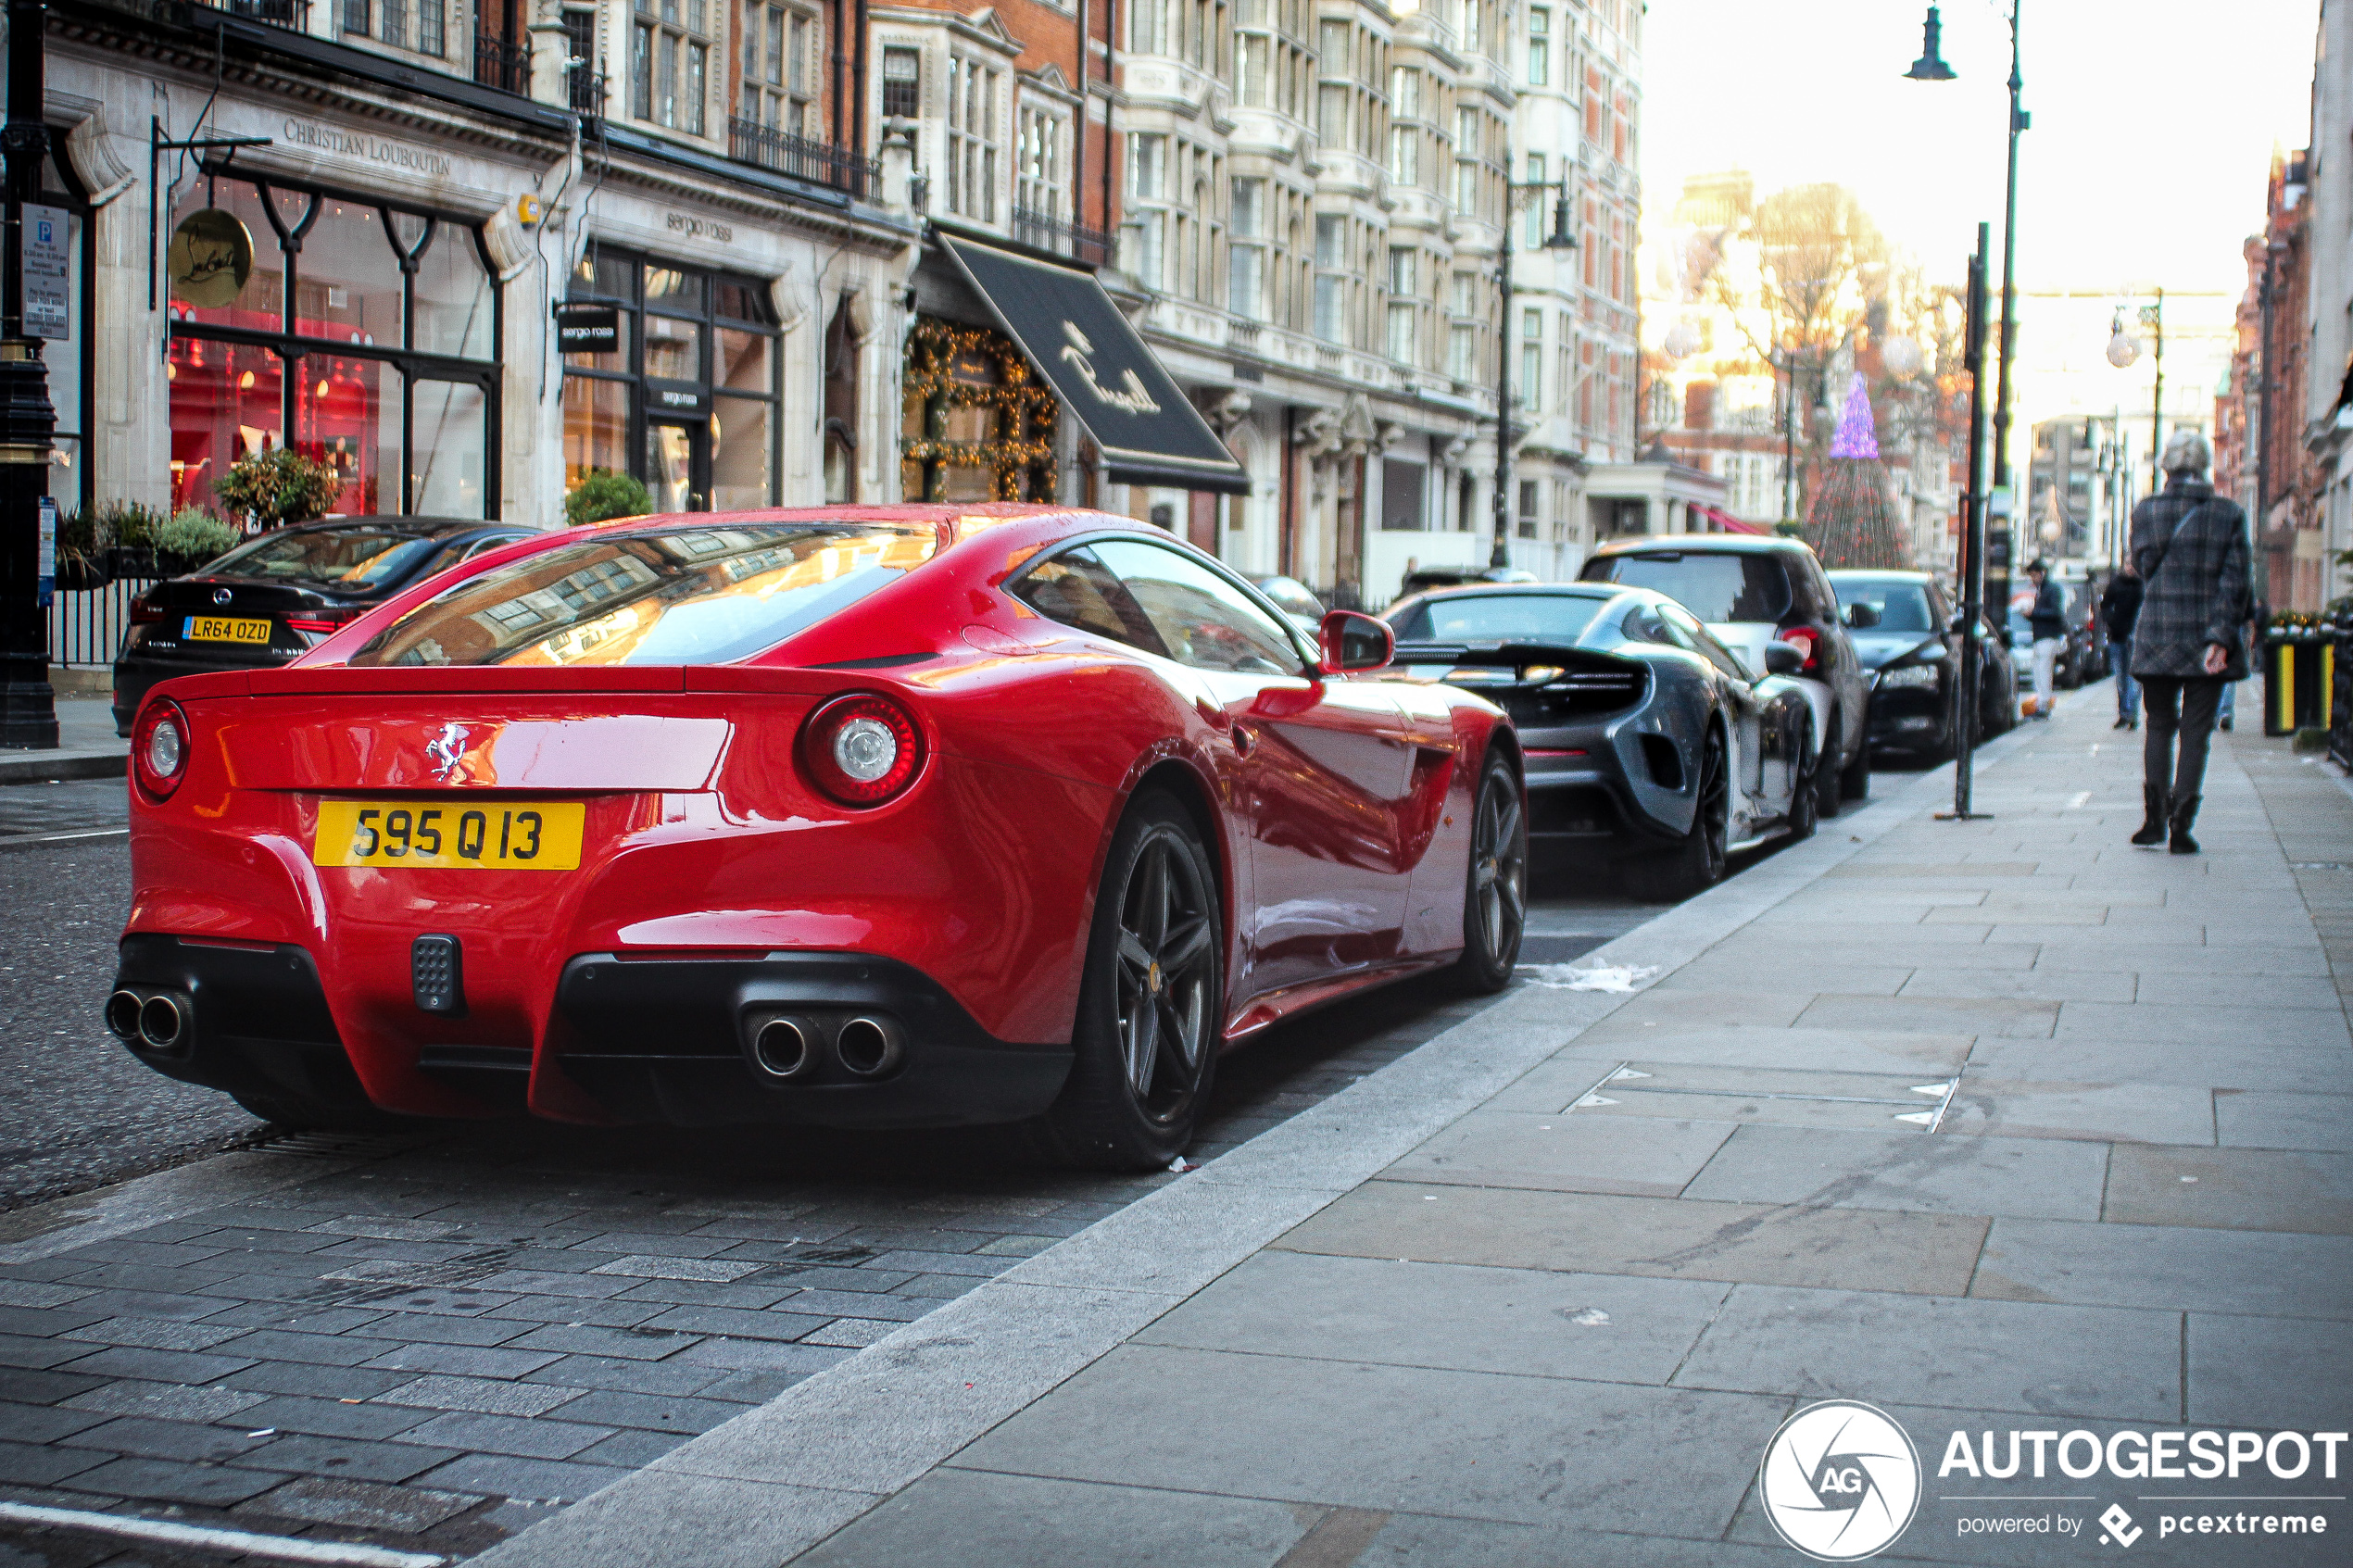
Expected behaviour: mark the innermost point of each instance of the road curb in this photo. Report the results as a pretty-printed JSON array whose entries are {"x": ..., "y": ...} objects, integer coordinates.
[
  {"x": 39, "y": 767},
  {"x": 771, "y": 1483}
]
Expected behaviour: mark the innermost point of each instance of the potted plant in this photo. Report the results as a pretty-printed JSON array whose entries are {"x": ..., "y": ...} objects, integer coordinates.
[
  {"x": 602, "y": 495},
  {"x": 190, "y": 538},
  {"x": 278, "y": 487},
  {"x": 129, "y": 530},
  {"x": 82, "y": 553}
]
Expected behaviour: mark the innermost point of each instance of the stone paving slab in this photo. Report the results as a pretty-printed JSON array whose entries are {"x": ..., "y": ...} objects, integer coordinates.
[{"x": 2032, "y": 1178}]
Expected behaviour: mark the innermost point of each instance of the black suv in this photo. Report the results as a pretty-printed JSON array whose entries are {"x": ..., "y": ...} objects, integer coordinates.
[{"x": 274, "y": 598}]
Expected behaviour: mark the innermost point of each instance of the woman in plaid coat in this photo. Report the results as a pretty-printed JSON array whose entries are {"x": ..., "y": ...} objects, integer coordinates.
[{"x": 2190, "y": 548}]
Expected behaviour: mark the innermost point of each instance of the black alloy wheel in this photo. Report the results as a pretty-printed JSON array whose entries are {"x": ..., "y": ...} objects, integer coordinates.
[
  {"x": 1150, "y": 1003},
  {"x": 1696, "y": 863},
  {"x": 1495, "y": 896}
]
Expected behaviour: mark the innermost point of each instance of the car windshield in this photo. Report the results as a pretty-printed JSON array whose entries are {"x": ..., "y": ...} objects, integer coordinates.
[
  {"x": 685, "y": 596},
  {"x": 1548, "y": 618},
  {"x": 1902, "y": 605},
  {"x": 1742, "y": 585},
  {"x": 348, "y": 561}
]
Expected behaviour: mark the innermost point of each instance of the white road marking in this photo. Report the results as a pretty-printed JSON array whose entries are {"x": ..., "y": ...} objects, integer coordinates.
[{"x": 283, "y": 1548}]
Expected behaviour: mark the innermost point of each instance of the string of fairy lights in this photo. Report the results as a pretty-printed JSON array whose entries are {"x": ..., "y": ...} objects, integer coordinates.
[{"x": 1024, "y": 409}]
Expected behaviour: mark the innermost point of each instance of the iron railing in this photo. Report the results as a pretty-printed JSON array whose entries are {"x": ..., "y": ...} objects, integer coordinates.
[
  {"x": 292, "y": 14},
  {"x": 87, "y": 627},
  {"x": 502, "y": 64},
  {"x": 820, "y": 163},
  {"x": 1048, "y": 233}
]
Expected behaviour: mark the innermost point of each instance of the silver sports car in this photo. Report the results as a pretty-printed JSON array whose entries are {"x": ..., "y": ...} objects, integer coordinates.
[{"x": 1645, "y": 736}]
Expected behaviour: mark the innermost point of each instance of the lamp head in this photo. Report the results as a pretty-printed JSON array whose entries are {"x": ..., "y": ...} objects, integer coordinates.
[
  {"x": 1560, "y": 238},
  {"x": 1931, "y": 65}
]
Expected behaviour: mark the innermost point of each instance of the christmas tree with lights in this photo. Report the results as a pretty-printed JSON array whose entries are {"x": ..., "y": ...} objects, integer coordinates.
[{"x": 1851, "y": 523}]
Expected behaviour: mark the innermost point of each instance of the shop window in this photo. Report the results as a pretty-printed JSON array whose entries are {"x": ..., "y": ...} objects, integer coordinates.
[
  {"x": 687, "y": 403},
  {"x": 977, "y": 423},
  {"x": 453, "y": 297},
  {"x": 366, "y": 315},
  {"x": 66, "y": 358}
]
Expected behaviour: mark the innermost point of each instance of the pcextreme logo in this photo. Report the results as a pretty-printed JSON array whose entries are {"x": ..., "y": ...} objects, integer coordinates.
[{"x": 1841, "y": 1481}]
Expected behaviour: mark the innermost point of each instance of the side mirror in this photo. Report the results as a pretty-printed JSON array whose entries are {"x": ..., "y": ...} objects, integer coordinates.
[
  {"x": 1782, "y": 659},
  {"x": 1860, "y": 616},
  {"x": 1352, "y": 641}
]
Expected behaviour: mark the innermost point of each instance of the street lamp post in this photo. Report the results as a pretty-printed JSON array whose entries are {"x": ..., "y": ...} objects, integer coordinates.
[
  {"x": 1500, "y": 557},
  {"x": 28, "y": 706}
]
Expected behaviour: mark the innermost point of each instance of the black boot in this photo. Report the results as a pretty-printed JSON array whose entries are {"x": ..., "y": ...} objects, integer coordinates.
[
  {"x": 2152, "y": 832},
  {"x": 2184, "y": 813}
]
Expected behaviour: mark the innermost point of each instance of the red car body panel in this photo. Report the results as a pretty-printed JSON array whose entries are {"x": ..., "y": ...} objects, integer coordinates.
[{"x": 1338, "y": 813}]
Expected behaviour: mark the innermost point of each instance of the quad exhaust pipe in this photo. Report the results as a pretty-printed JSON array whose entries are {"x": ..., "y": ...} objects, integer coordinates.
[
  {"x": 158, "y": 1021},
  {"x": 792, "y": 1048}
]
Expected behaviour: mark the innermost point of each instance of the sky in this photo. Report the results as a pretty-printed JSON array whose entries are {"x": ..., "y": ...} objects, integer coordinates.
[{"x": 2153, "y": 123}]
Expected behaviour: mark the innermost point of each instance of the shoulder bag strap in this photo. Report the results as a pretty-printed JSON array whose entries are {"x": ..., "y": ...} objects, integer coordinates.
[{"x": 2163, "y": 550}]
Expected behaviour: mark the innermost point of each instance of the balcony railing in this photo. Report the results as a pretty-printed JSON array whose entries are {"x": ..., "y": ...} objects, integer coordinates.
[
  {"x": 292, "y": 14},
  {"x": 1048, "y": 233},
  {"x": 502, "y": 64},
  {"x": 817, "y": 162}
]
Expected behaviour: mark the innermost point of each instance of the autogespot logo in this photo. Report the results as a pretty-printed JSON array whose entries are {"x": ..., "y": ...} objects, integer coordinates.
[{"x": 1841, "y": 1481}]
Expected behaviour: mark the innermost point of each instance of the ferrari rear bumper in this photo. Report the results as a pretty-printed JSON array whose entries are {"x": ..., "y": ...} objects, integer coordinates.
[{"x": 805, "y": 1039}]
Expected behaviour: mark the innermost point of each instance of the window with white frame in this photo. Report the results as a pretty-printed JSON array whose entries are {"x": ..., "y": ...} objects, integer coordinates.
[
  {"x": 779, "y": 70},
  {"x": 1540, "y": 46},
  {"x": 420, "y": 25},
  {"x": 972, "y": 138},
  {"x": 1331, "y": 279},
  {"x": 1538, "y": 219},
  {"x": 670, "y": 63},
  {"x": 1404, "y": 126},
  {"x": 1405, "y": 304},
  {"x": 1246, "y": 258},
  {"x": 1039, "y": 159},
  {"x": 1468, "y": 134},
  {"x": 1462, "y": 337},
  {"x": 1144, "y": 234},
  {"x": 1532, "y": 359},
  {"x": 1147, "y": 27}
]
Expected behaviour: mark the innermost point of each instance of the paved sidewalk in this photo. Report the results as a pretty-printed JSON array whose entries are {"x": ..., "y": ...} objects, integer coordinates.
[{"x": 1999, "y": 1126}]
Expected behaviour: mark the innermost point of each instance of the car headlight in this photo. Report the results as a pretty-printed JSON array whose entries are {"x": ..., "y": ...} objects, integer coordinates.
[{"x": 1911, "y": 675}]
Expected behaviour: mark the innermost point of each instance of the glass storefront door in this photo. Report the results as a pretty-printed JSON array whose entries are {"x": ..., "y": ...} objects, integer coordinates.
[{"x": 678, "y": 465}]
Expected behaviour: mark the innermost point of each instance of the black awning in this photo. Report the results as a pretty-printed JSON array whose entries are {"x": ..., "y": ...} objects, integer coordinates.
[{"x": 1149, "y": 432}]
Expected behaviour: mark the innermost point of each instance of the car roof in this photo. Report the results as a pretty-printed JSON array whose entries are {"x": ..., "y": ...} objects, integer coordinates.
[
  {"x": 1521, "y": 590},
  {"x": 1706, "y": 544},
  {"x": 1838, "y": 574}
]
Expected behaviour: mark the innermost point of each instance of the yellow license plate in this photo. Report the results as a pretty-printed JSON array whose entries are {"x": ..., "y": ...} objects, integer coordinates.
[
  {"x": 514, "y": 835},
  {"x": 227, "y": 628}
]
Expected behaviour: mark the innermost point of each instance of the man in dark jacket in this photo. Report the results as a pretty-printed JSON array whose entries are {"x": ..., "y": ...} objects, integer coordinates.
[
  {"x": 2189, "y": 546},
  {"x": 2047, "y": 621},
  {"x": 2119, "y": 606}
]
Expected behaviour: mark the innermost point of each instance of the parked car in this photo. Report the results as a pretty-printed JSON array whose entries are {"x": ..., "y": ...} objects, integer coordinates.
[
  {"x": 879, "y": 816},
  {"x": 1423, "y": 578},
  {"x": 1908, "y": 637},
  {"x": 1753, "y": 592},
  {"x": 276, "y": 596},
  {"x": 1645, "y": 736}
]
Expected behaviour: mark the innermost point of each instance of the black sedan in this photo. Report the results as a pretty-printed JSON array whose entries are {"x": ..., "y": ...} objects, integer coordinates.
[
  {"x": 275, "y": 598},
  {"x": 1905, "y": 634},
  {"x": 1645, "y": 737}
]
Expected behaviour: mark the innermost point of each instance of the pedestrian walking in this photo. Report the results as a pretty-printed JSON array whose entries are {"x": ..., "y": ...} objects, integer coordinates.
[
  {"x": 2189, "y": 546},
  {"x": 2047, "y": 622},
  {"x": 2119, "y": 608}
]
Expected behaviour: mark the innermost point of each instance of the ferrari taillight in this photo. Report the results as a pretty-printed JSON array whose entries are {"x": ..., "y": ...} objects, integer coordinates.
[
  {"x": 326, "y": 622},
  {"x": 160, "y": 748},
  {"x": 862, "y": 749},
  {"x": 1803, "y": 639}
]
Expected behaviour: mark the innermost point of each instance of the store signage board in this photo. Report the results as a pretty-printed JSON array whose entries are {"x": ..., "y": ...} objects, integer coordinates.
[
  {"x": 588, "y": 328},
  {"x": 48, "y": 293},
  {"x": 210, "y": 258}
]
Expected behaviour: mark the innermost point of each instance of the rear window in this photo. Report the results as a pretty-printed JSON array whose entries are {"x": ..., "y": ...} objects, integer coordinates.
[
  {"x": 344, "y": 560},
  {"x": 1902, "y": 606},
  {"x": 1549, "y": 618},
  {"x": 1717, "y": 588},
  {"x": 688, "y": 596}
]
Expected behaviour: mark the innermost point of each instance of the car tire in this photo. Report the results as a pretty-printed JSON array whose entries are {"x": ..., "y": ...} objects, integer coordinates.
[
  {"x": 1854, "y": 779},
  {"x": 1495, "y": 893},
  {"x": 1804, "y": 803},
  {"x": 1151, "y": 1001},
  {"x": 1696, "y": 862},
  {"x": 1826, "y": 795}
]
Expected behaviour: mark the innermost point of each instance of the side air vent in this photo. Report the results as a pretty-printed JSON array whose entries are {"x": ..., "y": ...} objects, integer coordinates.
[{"x": 1665, "y": 762}]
